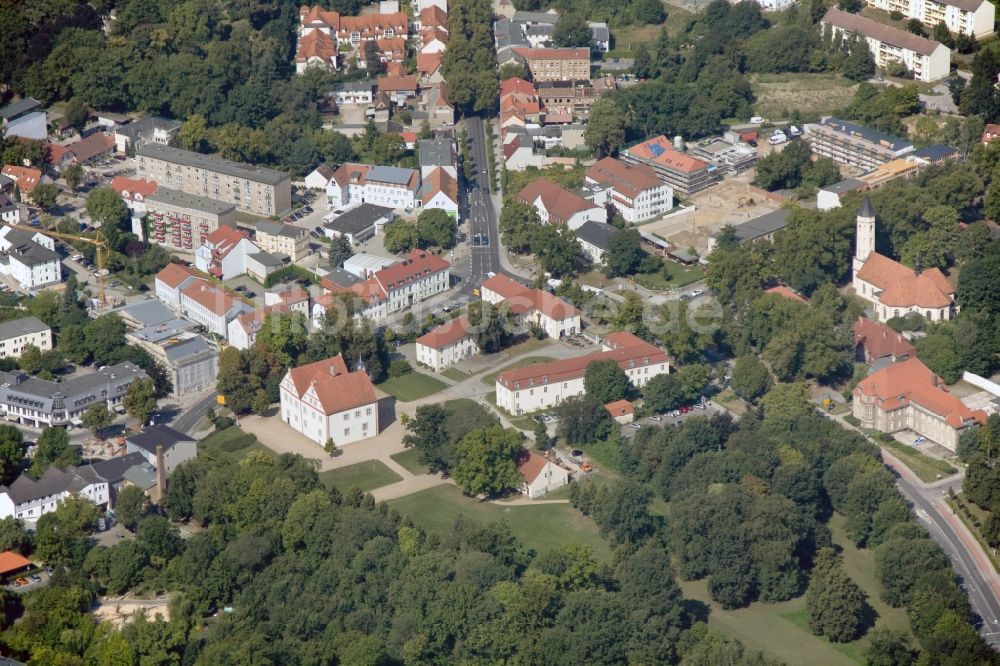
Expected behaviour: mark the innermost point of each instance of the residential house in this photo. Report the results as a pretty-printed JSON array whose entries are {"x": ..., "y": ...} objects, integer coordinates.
[
  {"x": 398, "y": 88},
  {"x": 854, "y": 145},
  {"x": 829, "y": 197},
  {"x": 211, "y": 306},
  {"x": 16, "y": 334},
  {"x": 114, "y": 470},
  {"x": 424, "y": 4},
  {"x": 223, "y": 252},
  {"x": 29, "y": 259},
  {"x": 563, "y": 100},
  {"x": 434, "y": 102},
  {"x": 600, "y": 37},
  {"x": 25, "y": 178},
  {"x": 324, "y": 400},
  {"x": 518, "y": 150},
  {"x": 685, "y": 174},
  {"x": 183, "y": 221},
  {"x": 350, "y": 31},
  {"x": 151, "y": 129},
  {"x": 532, "y": 307},
  {"x": 250, "y": 188},
  {"x": 539, "y": 475},
  {"x": 437, "y": 153},
  {"x": 170, "y": 281},
  {"x": 315, "y": 49},
  {"x": 353, "y": 92},
  {"x": 634, "y": 190},
  {"x": 161, "y": 442},
  {"x": 278, "y": 238},
  {"x": 28, "y": 500},
  {"x": 875, "y": 342},
  {"x": 429, "y": 68},
  {"x": 80, "y": 152},
  {"x": 544, "y": 385},
  {"x": 558, "y": 206},
  {"x": 390, "y": 187},
  {"x": 10, "y": 211},
  {"x": 41, "y": 404},
  {"x": 433, "y": 40},
  {"x": 621, "y": 411},
  {"x": 447, "y": 344},
  {"x": 320, "y": 177},
  {"x": 24, "y": 119},
  {"x": 971, "y": 17},
  {"x": 134, "y": 192},
  {"x": 359, "y": 223},
  {"x": 990, "y": 132},
  {"x": 908, "y": 396},
  {"x": 347, "y": 185},
  {"x": 786, "y": 292},
  {"x": 440, "y": 191},
  {"x": 595, "y": 239},
  {"x": 289, "y": 296}
]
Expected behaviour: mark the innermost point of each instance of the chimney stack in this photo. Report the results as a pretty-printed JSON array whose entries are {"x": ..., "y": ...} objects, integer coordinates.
[{"x": 161, "y": 475}]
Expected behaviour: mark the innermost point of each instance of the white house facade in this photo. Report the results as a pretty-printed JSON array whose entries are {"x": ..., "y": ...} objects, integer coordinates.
[{"x": 323, "y": 400}]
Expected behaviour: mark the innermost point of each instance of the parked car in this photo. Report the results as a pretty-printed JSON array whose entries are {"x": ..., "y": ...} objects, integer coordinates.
[
  {"x": 576, "y": 453},
  {"x": 656, "y": 418},
  {"x": 697, "y": 292},
  {"x": 635, "y": 426},
  {"x": 36, "y": 578},
  {"x": 757, "y": 120}
]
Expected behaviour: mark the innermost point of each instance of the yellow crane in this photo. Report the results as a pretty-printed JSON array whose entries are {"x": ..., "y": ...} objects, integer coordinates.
[{"x": 101, "y": 256}]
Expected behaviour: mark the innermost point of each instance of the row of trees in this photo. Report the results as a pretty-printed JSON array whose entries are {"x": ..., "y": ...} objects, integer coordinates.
[{"x": 433, "y": 228}]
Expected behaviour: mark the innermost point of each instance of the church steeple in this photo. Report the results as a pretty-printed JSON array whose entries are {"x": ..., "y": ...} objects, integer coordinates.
[{"x": 864, "y": 236}]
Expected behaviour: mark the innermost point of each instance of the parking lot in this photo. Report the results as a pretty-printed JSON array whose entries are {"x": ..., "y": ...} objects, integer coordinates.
[
  {"x": 674, "y": 417},
  {"x": 29, "y": 581}
]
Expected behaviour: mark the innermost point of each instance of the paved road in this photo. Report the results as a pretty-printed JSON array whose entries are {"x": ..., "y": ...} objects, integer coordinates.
[
  {"x": 981, "y": 583},
  {"x": 187, "y": 418},
  {"x": 481, "y": 215}
]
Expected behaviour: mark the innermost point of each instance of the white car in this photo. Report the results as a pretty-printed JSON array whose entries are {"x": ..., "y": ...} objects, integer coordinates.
[
  {"x": 697, "y": 292},
  {"x": 635, "y": 426},
  {"x": 777, "y": 139},
  {"x": 757, "y": 120}
]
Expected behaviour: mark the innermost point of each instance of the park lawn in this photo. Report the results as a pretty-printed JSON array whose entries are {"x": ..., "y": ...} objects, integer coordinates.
[
  {"x": 812, "y": 94},
  {"x": 541, "y": 527},
  {"x": 410, "y": 460},
  {"x": 367, "y": 475},
  {"x": 528, "y": 345},
  {"x": 491, "y": 378},
  {"x": 455, "y": 373},
  {"x": 731, "y": 401},
  {"x": 412, "y": 386},
  {"x": 214, "y": 446},
  {"x": 680, "y": 276},
  {"x": 927, "y": 468},
  {"x": 781, "y": 630}
]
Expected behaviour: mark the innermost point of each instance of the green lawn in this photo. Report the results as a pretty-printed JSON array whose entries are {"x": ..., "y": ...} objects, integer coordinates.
[
  {"x": 679, "y": 276},
  {"x": 455, "y": 373},
  {"x": 812, "y": 94},
  {"x": 541, "y": 527},
  {"x": 961, "y": 507},
  {"x": 410, "y": 460},
  {"x": 927, "y": 468},
  {"x": 528, "y": 345},
  {"x": 731, "y": 401},
  {"x": 231, "y": 444},
  {"x": 491, "y": 378},
  {"x": 781, "y": 630},
  {"x": 366, "y": 475},
  {"x": 412, "y": 386}
]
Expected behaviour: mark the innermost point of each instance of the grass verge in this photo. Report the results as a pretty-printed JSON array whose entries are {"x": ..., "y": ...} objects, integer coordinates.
[
  {"x": 366, "y": 475},
  {"x": 541, "y": 527},
  {"x": 231, "y": 444},
  {"x": 412, "y": 386},
  {"x": 410, "y": 460},
  {"x": 491, "y": 378},
  {"x": 982, "y": 515},
  {"x": 455, "y": 373},
  {"x": 927, "y": 468}
]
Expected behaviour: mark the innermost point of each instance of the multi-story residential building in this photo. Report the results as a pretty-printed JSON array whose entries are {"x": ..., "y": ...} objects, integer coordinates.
[
  {"x": 134, "y": 192},
  {"x": 25, "y": 178},
  {"x": 160, "y": 442},
  {"x": 10, "y": 211},
  {"x": 557, "y": 205},
  {"x": 40, "y": 404},
  {"x": 244, "y": 329},
  {"x": 531, "y": 307},
  {"x": 854, "y": 145},
  {"x": 437, "y": 153},
  {"x": 29, "y": 259},
  {"x": 440, "y": 191},
  {"x": 315, "y": 49},
  {"x": 392, "y": 187},
  {"x": 350, "y": 31},
  {"x": 971, "y": 17},
  {"x": 28, "y": 500},
  {"x": 354, "y": 92},
  {"x": 686, "y": 175},
  {"x": 447, "y": 344},
  {"x": 224, "y": 252},
  {"x": 562, "y": 101},
  {"x": 346, "y": 185},
  {"x": 151, "y": 129},
  {"x": 17, "y": 334},
  {"x": 545, "y": 385},
  {"x": 895, "y": 290},
  {"x": 416, "y": 278},
  {"x": 555, "y": 64},
  {"x": 324, "y": 400},
  {"x": 908, "y": 396},
  {"x": 290, "y": 296},
  {"x": 209, "y": 305},
  {"x": 927, "y": 59},
  {"x": 286, "y": 239},
  {"x": 251, "y": 189},
  {"x": 171, "y": 280},
  {"x": 595, "y": 239},
  {"x": 634, "y": 190},
  {"x": 183, "y": 221}
]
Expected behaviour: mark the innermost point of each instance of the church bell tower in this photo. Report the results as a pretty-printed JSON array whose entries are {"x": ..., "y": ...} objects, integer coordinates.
[{"x": 864, "y": 235}]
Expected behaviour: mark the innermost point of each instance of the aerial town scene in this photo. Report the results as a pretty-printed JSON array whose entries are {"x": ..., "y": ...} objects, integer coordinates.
[{"x": 482, "y": 332}]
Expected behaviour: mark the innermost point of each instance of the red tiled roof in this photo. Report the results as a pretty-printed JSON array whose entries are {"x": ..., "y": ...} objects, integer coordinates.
[
  {"x": 253, "y": 320},
  {"x": 910, "y": 381},
  {"x": 626, "y": 348},
  {"x": 619, "y": 408},
  {"x": 433, "y": 15},
  {"x": 415, "y": 266},
  {"x": 337, "y": 389},
  {"x": 350, "y": 172},
  {"x": 316, "y": 44},
  {"x": 428, "y": 35},
  {"x": 225, "y": 235},
  {"x": 209, "y": 296},
  {"x": 128, "y": 188},
  {"x": 428, "y": 63},
  {"x": 173, "y": 274},
  {"x": 990, "y": 132},
  {"x": 880, "y": 341},
  {"x": 582, "y": 53},
  {"x": 560, "y": 203},
  {"x": 629, "y": 179},
  {"x": 11, "y": 561},
  {"x": 782, "y": 290},
  {"x": 397, "y": 83},
  {"x": 901, "y": 286},
  {"x": 26, "y": 177},
  {"x": 440, "y": 180},
  {"x": 530, "y": 465},
  {"x": 446, "y": 334},
  {"x": 516, "y": 85},
  {"x": 659, "y": 150},
  {"x": 394, "y": 46},
  {"x": 523, "y": 299},
  {"x": 303, "y": 375}
]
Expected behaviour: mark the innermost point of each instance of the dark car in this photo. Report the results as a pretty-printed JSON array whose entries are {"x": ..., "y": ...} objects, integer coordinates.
[
  {"x": 576, "y": 453},
  {"x": 239, "y": 288}
]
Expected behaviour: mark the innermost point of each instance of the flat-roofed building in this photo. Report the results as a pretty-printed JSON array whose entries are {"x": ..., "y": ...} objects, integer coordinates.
[
  {"x": 17, "y": 334},
  {"x": 358, "y": 224},
  {"x": 250, "y": 188},
  {"x": 182, "y": 221},
  {"x": 854, "y": 145},
  {"x": 926, "y": 59}
]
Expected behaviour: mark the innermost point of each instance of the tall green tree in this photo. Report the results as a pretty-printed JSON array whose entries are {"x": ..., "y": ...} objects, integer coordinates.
[
  {"x": 605, "y": 381},
  {"x": 605, "y": 131},
  {"x": 487, "y": 461},
  {"x": 624, "y": 253},
  {"x": 140, "y": 399},
  {"x": 97, "y": 418}
]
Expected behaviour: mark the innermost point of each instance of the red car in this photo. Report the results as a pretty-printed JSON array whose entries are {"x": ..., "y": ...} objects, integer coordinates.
[{"x": 685, "y": 409}]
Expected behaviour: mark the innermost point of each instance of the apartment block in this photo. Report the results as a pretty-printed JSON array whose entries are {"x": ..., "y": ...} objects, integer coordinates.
[
  {"x": 17, "y": 334},
  {"x": 684, "y": 173},
  {"x": 633, "y": 189},
  {"x": 972, "y": 17},
  {"x": 251, "y": 189},
  {"x": 555, "y": 64},
  {"x": 182, "y": 221},
  {"x": 286, "y": 239},
  {"x": 854, "y": 145}
]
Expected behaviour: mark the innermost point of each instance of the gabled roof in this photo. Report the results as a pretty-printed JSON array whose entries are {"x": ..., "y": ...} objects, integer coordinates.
[
  {"x": 336, "y": 389},
  {"x": 898, "y": 384},
  {"x": 397, "y": 83},
  {"x": 20, "y": 107},
  {"x": 433, "y": 16},
  {"x": 857, "y": 24},
  {"x": 158, "y": 435},
  {"x": 210, "y": 297},
  {"x": 53, "y": 482},
  {"x": 128, "y": 188},
  {"x": 350, "y": 172},
  {"x": 225, "y": 239},
  {"x": 880, "y": 341},
  {"x": 782, "y": 290},
  {"x": 901, "y": 286},
  {"x": 523, "y": 299},
  {"x": 428, "y": 63},
  {"x": 629, "y": 179},
  {"x": 439, "y": 180},
  {"x": 316, "y": 44},
  {"x": 415, "y": 266},
  {"x": 22, "y": 326},
  {"x": 659, "y": 150},
  {"x": 619, "y": 408},
  {"x": 596, "y": 233},
  {"x": 530, "y": 465},
  {"x": 560, "y": 203},
  {"x": 26, "y": 177},
  {"x": 11, "y": 561},
  {"x": 83, "y": 150},
  {"x": 174, "y": 274},
  {"x": 446, "y": 334}
]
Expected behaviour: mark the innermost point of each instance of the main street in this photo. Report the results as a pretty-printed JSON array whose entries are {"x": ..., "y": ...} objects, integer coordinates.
[{"x": 482, "y": 217}]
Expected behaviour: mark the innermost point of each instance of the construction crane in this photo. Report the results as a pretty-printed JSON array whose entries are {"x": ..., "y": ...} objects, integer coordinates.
[{"x": 101, "y": 255}]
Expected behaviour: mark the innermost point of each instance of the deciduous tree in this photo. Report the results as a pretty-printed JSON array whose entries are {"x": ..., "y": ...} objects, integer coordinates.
[{"x": 487, "y": 461}]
